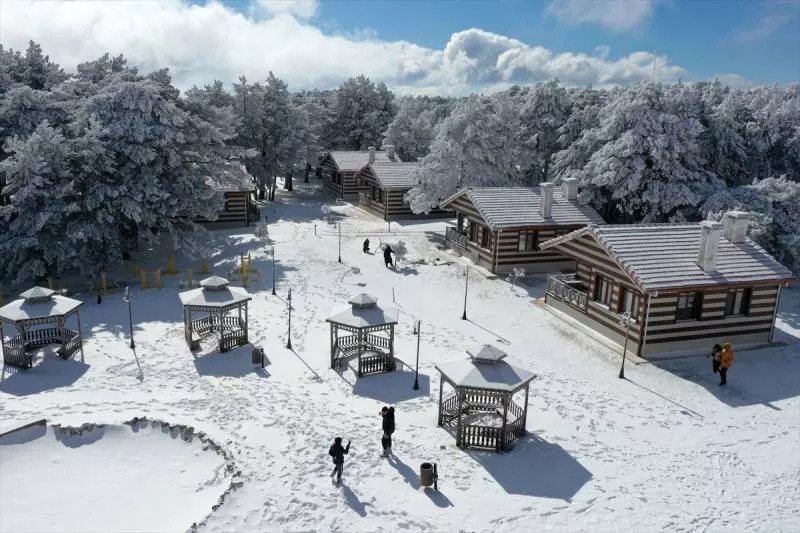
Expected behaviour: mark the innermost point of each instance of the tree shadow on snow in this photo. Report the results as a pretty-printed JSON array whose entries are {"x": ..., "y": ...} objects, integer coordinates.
[
  {"x": 759, "y": 376},
  {"x": 50, "y": 373},
  {"x": 535, "y": 467},
  {"x": 392, "y": 387},
  {"x": 236, "y": 363}
]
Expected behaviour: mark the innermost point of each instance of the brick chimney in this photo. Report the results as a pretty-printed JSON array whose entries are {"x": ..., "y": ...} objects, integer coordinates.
[
  {"x": 371, "y": 151},
  {"x": 709, "y": 244},
  {"x": 570, "y": 188},
  {"x": 546, "y": 204},
  {"x": 736, "y": 223}
]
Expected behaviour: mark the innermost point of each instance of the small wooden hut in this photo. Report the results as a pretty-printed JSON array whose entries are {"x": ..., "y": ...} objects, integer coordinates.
[
  {"x": 223, "y": 312},
  {"x": 365, "y": 330},
  {"x": 685, "y": 287},
  {"x": 40, "y": 318},
  {"x": 500, "y": 228},
  {"x": 339, "y": 169},
  {"x": 237, "y": 188},
  {"x": 482, "y": 410}
]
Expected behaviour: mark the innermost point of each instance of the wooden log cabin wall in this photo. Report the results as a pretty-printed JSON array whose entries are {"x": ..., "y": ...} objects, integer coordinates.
[{"x": 684, "y": 309}]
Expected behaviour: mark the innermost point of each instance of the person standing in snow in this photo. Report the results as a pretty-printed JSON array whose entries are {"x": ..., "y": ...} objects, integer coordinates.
[
  {"x": 387, "y": 255},
  {"x": 387, "y": 413},
  {"x": 337, "y": 451},
  {"x": 716, "y": 353},
  {"x": 366, "y": 246},
  {"x": 725, "y": 362}
]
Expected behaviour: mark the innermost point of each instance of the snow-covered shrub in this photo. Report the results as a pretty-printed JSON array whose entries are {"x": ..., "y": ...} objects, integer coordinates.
[{"x": 515, "y": 275}]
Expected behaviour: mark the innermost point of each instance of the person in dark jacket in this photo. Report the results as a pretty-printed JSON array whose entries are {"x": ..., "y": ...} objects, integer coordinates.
[
  {"x": 387, "y": 413},
  {"x": 337, "y": 451},
  {"x": 366, "y": 246},
  {"x": 716, "y": 354},
  {"x": 387, "y": 255}
]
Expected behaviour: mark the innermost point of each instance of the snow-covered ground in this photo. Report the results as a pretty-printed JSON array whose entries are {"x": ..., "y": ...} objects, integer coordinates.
[{"x": 664, "y": 449}]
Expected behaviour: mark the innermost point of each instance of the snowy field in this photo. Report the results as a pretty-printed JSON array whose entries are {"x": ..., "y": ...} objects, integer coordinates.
[{"x": 665, "y": 449}]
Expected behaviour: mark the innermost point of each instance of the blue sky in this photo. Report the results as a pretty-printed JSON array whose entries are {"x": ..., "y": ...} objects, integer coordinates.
[
  {"x": 423, "y": 47},
  {"x": 757, "y": 40}
]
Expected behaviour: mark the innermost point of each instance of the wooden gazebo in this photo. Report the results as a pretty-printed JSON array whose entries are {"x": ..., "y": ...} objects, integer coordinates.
[
  {"x": 367, "y": 331},
  {"x": 482, "y": 410},
  {"x": 40, "y": 316},
  {"x": 223, "y": 311}
]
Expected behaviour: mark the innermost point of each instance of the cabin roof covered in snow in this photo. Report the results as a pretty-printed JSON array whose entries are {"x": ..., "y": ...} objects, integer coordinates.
[
  {"x": 500, "y": 375},
  {"x": 664, "y": 256},
  {"x": 355, "y": 160},
  {"x": 233, "y": 178},
  {"x": 394, "y": 174},
  {"x": 22, "y": 309},
  {"x": 214, "y": 297},
  {"x": 513, "y": 207}
]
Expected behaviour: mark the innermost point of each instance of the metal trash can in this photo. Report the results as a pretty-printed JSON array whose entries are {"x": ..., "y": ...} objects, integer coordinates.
[
  {"x": 428, "y": 475},
  {"x": 256, "y": 356}
]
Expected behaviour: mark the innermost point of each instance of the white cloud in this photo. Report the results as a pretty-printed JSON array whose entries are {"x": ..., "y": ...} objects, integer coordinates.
[
  {"x": 734, "y": 81},
  {"x": 766, "y": 26},
  {"x": 616, "y": 15},
  {"x": 200, "y": 43},
  {"x": 304, "y": 9}
]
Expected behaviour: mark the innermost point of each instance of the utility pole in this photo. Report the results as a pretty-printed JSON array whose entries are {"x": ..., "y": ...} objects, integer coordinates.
[
  {"x": 127, "y": 298},
  {"x": 416, "y": 372},
  {"x": 272, "y": 253},
  {"x": 624, "y": 320},
  {"x": 340, "y": 242}
]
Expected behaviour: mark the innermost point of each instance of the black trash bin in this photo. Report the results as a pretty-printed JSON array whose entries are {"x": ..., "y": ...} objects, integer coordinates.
[{"x": 428, "y": 475}]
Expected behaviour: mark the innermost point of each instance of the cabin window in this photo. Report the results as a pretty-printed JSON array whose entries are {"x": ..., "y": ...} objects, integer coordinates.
[
  {"x": 738, "y": 302},
  {"x": 690, "y": 306},
  {"x": 602, "y": 289},
  {"x": 528, "y": 241},
  {"x": 473, "y": 232},
  {"x": 629, "y": 301},
  {"x": 485, "y": 237}
]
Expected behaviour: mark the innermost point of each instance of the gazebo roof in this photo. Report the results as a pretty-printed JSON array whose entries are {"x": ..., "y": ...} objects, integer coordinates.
[
  {"x": 36, "y": 303},
  {"x": 214, "y": 282},
  {"x": 488, "y": 372},
  {"x": 364, "y": 312},
  {"x": 214, "y": 294}
]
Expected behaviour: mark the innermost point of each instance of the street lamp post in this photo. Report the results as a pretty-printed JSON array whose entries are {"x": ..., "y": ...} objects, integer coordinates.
[
  {"x": 466, "y": 288},
  {"x": 272, "y": 253},
  {"x": 289, "y": 339},
  {"x": 127, "y": 298},
  {"x": 416, "y": 372},
  {"x": 340, "y": 242},
  {"x": 624, "y": 320}
]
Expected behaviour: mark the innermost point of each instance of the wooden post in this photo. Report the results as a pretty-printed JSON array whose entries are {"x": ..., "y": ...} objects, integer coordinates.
[
  {"x": 246, "y": 326},
  {"x": 171, "y": 265},
  {"x": 502, "y": 441},
  {"x": 360, "y": 350},
  {"x": 142, "y": 279},
  {"x": 525, "y": 409},
  {"x": 333, "y": 344},
  {"x": 158, "y": 279},
  {"x": 460, "y": 397},
  {"x": 441, "y": 390},
  {"x": 190, "y": 277},
  {"x": 80, "y": 335}
]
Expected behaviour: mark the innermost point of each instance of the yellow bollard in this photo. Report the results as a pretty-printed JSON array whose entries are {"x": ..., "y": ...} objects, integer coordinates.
[
  {"x": 50, "y": 282},
  {"x": 244, "y": 279},
  {"x": 204, "y": 266},
  {"x": 104, "y": 283},
  {"x": 171, "y": 266},
  {"x": 190, "y": 278},
  {"x": 158, "y": 279},
  {"x": 242, "y": 268},
  {"x": 142, "y": 278}
]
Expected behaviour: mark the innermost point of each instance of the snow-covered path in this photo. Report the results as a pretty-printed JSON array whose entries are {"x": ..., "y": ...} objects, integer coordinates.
[{"x": 665, "y": 448}]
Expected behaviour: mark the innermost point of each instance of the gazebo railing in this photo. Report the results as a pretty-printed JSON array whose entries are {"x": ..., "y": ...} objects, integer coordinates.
[
  {"x": 72, "y": 342},
  {"x": 232, "y": 330},
  {"x": 14, "y": 354},
  {"x": 376, "y": 341},
  {"x": 376, "y": 362},
  {"x": 475, "y": 436},
  {"x": 560, "y": 287}
]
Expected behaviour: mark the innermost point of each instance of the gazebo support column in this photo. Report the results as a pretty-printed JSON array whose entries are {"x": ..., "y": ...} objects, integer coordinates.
[
  {"x": 525, "y": 411},
  {"x": 333, "y": 344},
  {"x": 501, "y": 442},
  {"x": 460, "y": 395},
  {"x": 360, "y": 351},
  {"x": 441, "y": 390},
  {"x": 80, "y": 333},
  {"x": 246, "y": 326}
]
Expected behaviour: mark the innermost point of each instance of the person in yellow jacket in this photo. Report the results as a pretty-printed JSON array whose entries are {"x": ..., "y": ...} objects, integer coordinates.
[{"x": 725, "y": 362}]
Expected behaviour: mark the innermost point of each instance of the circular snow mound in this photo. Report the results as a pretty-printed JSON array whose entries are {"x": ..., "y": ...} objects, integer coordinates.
[{"x": 148, "y": 477}]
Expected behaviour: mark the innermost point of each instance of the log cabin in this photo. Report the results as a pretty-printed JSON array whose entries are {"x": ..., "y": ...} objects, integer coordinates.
[
  {"x": 686, "y": 287},
  {"x": 500, "y": 228},
  {"x": 237, "y": 188},
  {"x": 339, "y": 170},
  {"x": 387, "y": 183}
]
